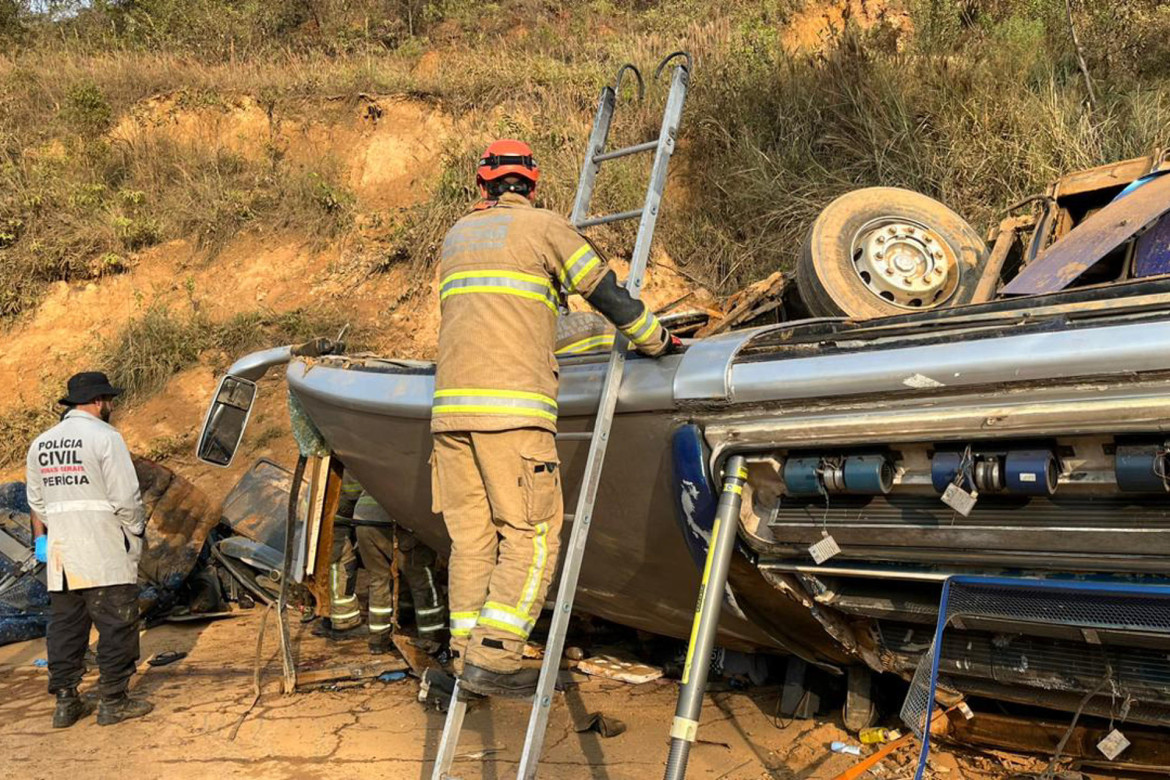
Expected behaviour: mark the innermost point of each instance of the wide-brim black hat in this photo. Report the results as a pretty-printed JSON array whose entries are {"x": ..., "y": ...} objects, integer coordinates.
[{"x": 86, "y": 386}]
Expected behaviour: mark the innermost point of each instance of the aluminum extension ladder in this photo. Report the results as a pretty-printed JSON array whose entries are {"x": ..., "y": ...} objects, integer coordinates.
[{"x": 663, "y": 147}]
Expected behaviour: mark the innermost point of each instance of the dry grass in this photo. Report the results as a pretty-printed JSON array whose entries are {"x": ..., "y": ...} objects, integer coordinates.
[
  {"x": 162, "y": 342},
  {"x": 983, "y": 106}
]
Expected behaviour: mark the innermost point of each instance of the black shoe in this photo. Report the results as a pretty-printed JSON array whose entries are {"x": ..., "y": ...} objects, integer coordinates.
[
  {"x": 70, "y": 708},
  {"x": 325, "y": 629},
  {"x": 119, "y": 708},
  {"x": 519, "y": 684},
  {"x": 380, "y": 644}
]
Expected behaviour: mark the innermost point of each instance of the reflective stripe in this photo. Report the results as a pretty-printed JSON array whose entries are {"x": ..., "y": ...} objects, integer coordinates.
[
  {"x": 382, "y": 610},
  {"x": 79, "y": 505},
  {"x": 536, "y": 570},
  {"x": 434, "y": 594},
  {"x": 530, "y": 286},
  {"x": 471, "y": 400},
  {"x": 587, "y": 344},
  {"x": 579, "y": 264},
  {"x": 431, "y": 629},
  {"x": 505, "y": 618},
  {"x": 642, "y": 328},
  {"x": 344, "y": 615},
  {"x": 463, "y": 622},
  {"x": 378, "y": 627}
]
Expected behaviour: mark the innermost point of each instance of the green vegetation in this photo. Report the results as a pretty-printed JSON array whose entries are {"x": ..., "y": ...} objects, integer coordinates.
[
  {"x": 977, "y": 103},
  {"x": 160, "y": 343}
]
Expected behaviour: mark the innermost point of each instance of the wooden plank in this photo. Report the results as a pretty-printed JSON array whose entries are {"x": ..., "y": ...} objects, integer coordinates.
[
  {"x": 1149, "y": 748},
  {"x": 360, "y": 670},
  {"x": 750, "y": 302},
  {"x": 318, "y": 583}
]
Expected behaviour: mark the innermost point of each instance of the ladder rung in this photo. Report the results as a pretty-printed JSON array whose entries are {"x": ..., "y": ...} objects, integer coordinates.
[
  {"x": 602, "y": 220},
  {"x": 574, "y": 436},
  {"x": 649, "y": 146}
]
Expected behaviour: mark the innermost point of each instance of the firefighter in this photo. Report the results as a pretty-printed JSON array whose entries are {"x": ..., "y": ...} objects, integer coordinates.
[
  {"x": 89, "y": 524},
  {"x": 345, "y": 614},
  {"x": 496, "y": 476},
  {"x": 377, "y": 538}
]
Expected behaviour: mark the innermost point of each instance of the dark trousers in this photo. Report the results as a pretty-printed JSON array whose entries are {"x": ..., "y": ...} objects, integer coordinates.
[
  {"x": 416, "y": 562},
  {"x": 114, "y": 610}
]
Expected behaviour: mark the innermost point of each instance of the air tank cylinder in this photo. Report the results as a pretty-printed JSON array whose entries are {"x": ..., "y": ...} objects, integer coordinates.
[
  {"x": 1031, "y": 472},
  {"x": 1141, "y": 468},
  {"x": 866, "y": 475}
]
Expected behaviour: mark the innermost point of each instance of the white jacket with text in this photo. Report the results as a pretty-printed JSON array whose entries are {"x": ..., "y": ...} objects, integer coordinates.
[{"x": 82, "y": 485}]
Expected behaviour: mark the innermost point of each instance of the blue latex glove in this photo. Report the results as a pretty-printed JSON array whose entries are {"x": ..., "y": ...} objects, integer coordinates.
[{"x": 41, "y": 549}]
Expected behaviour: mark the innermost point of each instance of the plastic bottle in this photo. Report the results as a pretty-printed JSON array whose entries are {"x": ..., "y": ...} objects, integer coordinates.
[
  {"x": 876, "y": 735},
  {"x": 841, "y": 747}
]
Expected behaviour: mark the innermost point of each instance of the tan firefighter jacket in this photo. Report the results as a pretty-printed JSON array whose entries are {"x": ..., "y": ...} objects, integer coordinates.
[{"x": 503, "y": 271}]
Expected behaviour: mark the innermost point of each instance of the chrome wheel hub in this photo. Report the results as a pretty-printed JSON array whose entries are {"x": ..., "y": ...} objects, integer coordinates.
[{"x": 905, "y": 263}]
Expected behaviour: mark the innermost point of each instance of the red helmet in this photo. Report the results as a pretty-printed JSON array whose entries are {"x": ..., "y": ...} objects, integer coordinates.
[{"x": 507, "y": 157}]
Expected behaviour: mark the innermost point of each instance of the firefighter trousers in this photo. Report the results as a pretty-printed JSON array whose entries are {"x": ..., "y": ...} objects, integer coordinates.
[
  {"x": 344, "y": 611},
  {"x": 416, "y": 564},
  {"x": 500, "y": 495}
]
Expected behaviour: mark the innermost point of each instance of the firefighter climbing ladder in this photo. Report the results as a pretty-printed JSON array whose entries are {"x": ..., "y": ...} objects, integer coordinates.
[{"x": 663, "y": 147}]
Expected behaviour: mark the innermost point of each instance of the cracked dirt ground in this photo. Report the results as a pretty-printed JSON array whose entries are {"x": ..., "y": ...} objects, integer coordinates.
[{"x": 376, "y": 731}]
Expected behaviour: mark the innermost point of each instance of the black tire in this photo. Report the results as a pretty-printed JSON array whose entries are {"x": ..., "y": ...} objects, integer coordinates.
[{"x": 827, "y": 280}]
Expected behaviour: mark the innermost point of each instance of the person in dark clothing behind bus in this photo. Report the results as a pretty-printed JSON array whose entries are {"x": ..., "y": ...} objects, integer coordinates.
[{"x": 89, "y": 523}]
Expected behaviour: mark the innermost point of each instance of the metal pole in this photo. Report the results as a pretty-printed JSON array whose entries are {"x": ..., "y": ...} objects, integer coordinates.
[{"x": 685, "y": 726}]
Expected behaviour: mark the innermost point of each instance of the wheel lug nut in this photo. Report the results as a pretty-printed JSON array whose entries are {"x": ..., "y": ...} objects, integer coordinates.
[
  {"x": 893, "y": 231},
  {"x": 881, "y": 239}
]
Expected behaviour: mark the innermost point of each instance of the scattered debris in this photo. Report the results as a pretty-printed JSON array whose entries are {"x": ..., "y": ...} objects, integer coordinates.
[
  {"x": 41, "y": 663},
  {"x": 747, "y": 304},
  {"x": 876, "y": 735},
  {"x": 871, "y": 762},
  {"x": 475, "y": 755},
  {"x": 416, "y": 657},
  {"x": 435, "y": 689},
  {"x": 601, "y": 724},
  {"x": 390, "y": 677},
  {"x": 350, "y": 671},
  {"x": 166, "y": 657},
  {"x": 617, "y": 668},
  {"x": 845, "y": 747}
]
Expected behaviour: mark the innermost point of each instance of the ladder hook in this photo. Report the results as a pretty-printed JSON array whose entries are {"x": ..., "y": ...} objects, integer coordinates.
[
  {"x": 617, "y": 84},
  {"x": 662, "y": 65}
]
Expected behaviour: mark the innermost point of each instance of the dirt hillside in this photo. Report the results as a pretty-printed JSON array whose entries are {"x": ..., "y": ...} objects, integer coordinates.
[{"x": 387, "y": 148}]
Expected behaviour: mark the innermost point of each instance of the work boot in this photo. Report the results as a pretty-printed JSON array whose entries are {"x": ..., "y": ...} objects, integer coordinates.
[
  {"x": 519, "y": 684},
  {"x": 70, "y": 708},
  {"x": 115, "y": 709},
  {"x": 327, "y": 630},
  {"x": 381, "y": 643}
]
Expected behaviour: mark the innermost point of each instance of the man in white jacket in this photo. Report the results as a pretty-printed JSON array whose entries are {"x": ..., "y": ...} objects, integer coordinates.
[{"x": 83, "y": 489}]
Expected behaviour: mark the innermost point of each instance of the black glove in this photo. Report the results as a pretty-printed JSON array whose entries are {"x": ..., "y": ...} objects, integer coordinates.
[{"x": 673, "y": 344}]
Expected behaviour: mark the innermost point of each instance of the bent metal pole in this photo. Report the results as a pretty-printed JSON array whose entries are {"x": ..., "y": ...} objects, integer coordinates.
[{"x": 685, "y": 726}]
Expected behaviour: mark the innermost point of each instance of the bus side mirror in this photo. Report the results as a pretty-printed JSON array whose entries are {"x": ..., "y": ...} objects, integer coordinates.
[{"x": 223, "y": 428}]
